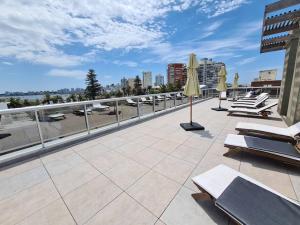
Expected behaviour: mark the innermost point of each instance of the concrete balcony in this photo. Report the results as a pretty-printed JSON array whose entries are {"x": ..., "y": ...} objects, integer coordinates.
[{"x": 140, "y": 174}]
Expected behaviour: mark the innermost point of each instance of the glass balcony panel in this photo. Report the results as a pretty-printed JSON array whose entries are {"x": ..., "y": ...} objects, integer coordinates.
[
  {"x": 146, "y": 106},
  {"x": 128, "y": 109},
  {"x": 61, "y": 122},
  {"x": 170, "y": 100},
  {"x": 17, "y": 131},
  {"x": 102, "y": 114},
  {"x": 179, "y": 99},
  {"x": 159, "y": 103}
]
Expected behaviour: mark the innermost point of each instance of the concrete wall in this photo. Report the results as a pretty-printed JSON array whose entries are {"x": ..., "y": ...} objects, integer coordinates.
[
  {"x": 289, "y": 99},
  {"x": 287, "y": 76}
]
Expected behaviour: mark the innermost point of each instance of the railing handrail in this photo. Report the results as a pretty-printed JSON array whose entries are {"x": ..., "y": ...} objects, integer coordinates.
[{"x": 82, "y": 103}]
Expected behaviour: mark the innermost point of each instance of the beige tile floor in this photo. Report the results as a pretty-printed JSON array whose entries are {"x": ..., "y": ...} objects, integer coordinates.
[{"x": 136, "y": 176}]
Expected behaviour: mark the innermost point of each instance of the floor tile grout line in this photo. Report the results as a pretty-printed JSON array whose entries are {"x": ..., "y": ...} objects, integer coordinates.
[
  {"x": 59, "y": 193},
  {"x": 123, "y": 190}
]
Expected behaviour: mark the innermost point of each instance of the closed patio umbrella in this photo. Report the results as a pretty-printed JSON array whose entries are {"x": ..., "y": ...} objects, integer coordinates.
[
  {"x": 191, "y": 89},
  {"x": 222, "y": 87},
  {"x": 235, "y": 84}
]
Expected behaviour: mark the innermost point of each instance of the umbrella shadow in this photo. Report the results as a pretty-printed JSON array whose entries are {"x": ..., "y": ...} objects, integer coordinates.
[
  {"x": 4, "y": 135},
  {"x": 204, "y": 133}
]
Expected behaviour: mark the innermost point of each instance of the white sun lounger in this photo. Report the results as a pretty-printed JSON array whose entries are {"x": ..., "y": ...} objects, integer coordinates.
[
  {"x": 251, "y": 105},
  {"x": 232, "y": 192},
  {"x": 253, "y": 100},
  {"x": 160, "y": 98},
  {"x": 98, "y": 106},
  {"x": 57, "y": 116},
  {"x": 280, "y": 133},
  {"x": 260, "y": 111},
  {"x": 131, "y": 103},
  {"x": 144, "y": 100},
  {"x": 251, "y": 97},
  {"x": 278, "y": 150}
]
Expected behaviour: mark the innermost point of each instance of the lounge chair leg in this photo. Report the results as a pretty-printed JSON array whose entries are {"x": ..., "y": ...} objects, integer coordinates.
[
  {"x": 230, "y": 152},
  {"x": 201, "y": 196}
]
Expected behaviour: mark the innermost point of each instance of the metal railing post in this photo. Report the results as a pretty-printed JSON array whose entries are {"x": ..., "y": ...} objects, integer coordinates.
[
  {"x": 117, "y": 112},
  {"x": 153, "y": 102},
  {"x": 165, "y": 102},
  {"x": 138, "y": 108},
  {"x": 86, "y": 119},
  {"x": 175, "y": 96},
  {"x": 39, "y": 128}
]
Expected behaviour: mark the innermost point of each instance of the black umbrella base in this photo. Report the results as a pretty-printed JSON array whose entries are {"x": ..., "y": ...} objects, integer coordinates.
[
  {"x": 219, "y": 109},
  {"x": 191, "y": 126}
]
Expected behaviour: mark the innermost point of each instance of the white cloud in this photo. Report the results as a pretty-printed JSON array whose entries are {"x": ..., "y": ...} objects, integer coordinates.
[
  {"x": 7, "y": 63},
  {"x": 39, "y": 31},
  {"x": 247, "y": 60},
  {"x": 126, "y": 63},
  {"x": 233, "y": 45},
  {"x": 78, "y": 74}
]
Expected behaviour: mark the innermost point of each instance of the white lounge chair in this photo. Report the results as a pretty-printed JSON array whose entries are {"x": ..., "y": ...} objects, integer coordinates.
[
  {"x": 252, "y": 100},
  {"x": 244, "y": 199},
  {"x": 223, "y": 95},
  {"x": 278, "y": 150},
  {"x": 279, "y": 133},
  {"x": 168, "y": 96},
  {"x": 160, "y": 98},
  {"x": 263, "y": 111},
  {"x": 178, "y": 96},
  {"x": 131, "y": 103},
  {"x": 144, "y": 100},
  {"x": 253, "y": 105},
  {"x": 98, "y": 106},
  {"x": 57, "y": 116}
]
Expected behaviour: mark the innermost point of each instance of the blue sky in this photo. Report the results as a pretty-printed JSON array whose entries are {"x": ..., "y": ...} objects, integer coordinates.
[{"x": 48, "y": 45}]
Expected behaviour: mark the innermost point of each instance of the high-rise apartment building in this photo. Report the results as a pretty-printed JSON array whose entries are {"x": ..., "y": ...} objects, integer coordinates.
[
  {"x": 208, "y": 72},
  {"x": 159, "y": 80},
  {"x": 124, "y": 82},
  {"x": 177, "y": 72},
  {"x": 147, "y": 79}
]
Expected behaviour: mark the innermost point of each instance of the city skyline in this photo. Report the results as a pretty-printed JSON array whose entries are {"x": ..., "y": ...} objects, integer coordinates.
[{"x": 56, "y": 50}]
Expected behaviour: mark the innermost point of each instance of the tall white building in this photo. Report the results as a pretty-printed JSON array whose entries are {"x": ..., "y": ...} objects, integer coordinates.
[
  {"x": 267, "y": 74},
  {"x": 208, "y": 72},
  {"x": 147, "y": 79},
  {"x": 159, "y": 80}
]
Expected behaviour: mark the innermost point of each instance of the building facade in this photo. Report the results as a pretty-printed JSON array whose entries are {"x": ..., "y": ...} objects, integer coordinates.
[
  {"x": 147, "y": 79},
  {"x": 208, "y": 72},
  {"x": 159, "y": 80},
  {"x": 265, "y": 75},
  {"x": 177, "y": 73},
  {"x": 130, "y": 82},
  {"x": 283, "y": 33},
  {"x": 124, "y": 82}
]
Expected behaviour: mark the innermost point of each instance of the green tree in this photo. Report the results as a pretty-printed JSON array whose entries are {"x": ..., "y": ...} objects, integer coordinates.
[
  {"x": 178, "y": 86},
  {"x": 47, "y": 98},
  {"x": 163, "y": 88},
  {"x": 119, "y": 93},
  {"x": 15, "y": 103},
  {"x": 170, "y": 88},
  {"x": 93, "y": 87},
  {"x": 137, "y": 86}
]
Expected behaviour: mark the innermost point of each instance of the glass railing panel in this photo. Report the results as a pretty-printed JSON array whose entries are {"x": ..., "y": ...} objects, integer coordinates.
[
  {"x": 179, "y": 99},
  {"x": 159, "y": 103},
  {"x": 185, "y": 99},
  {"x": 17, "y": 131},
  {"x": 61, "y": 122},
  {"x": 170, "y": 100},
  {"x": 102, "y": 114},
  {"x": 128, "y": 109},
  {"x": 146, "y": 106}
]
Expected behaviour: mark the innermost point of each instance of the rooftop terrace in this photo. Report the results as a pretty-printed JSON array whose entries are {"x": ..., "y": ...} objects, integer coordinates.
[{"x": 137, "y": 175}]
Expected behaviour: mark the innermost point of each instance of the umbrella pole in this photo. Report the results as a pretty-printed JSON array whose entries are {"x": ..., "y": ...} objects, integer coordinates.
[{"x": 191, "y": 110}]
